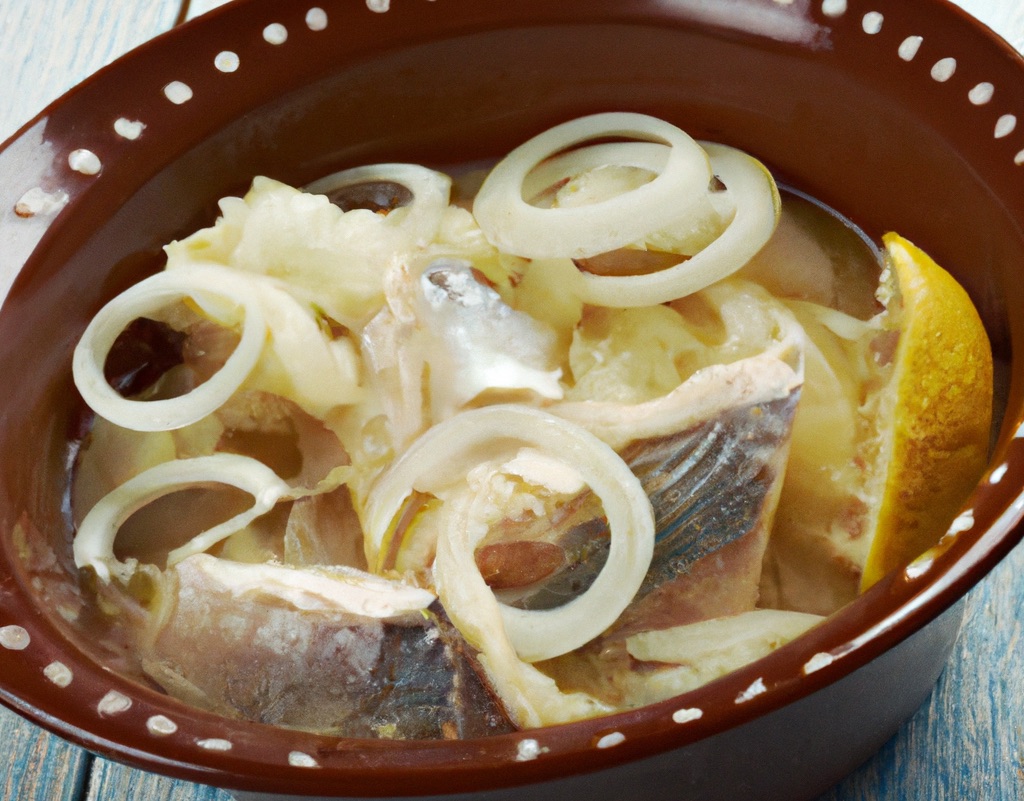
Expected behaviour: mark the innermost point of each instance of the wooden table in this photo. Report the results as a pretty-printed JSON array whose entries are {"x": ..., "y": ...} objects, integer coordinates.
[{"x": 966, "y": 742}]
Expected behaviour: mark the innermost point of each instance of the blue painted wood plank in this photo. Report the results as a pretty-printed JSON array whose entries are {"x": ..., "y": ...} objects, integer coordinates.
[
  {"x": 110, "y": 781},
  {"x": 36, "y": 766}
]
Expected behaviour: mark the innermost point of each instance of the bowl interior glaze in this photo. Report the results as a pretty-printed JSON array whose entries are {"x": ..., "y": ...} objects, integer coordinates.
[{"x": 834, "y": 106}]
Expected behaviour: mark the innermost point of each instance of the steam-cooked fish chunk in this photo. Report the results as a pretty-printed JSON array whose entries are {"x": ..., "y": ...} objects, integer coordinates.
[
  {"x": 336, "y": 651},
  {"x": 713, "y": 488}
]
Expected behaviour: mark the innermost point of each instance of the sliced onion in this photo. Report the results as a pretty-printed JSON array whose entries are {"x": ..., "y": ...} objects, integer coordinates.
[
  {"x": 721, "y": 644},
  {"x": 430, "y": 191},
  {"x": 444, "y": 455},
  {"x": 531, "y": 697},
  {"x": 757, "y": 212},
  {"x": 515, "y": 226},
  {"x": 317, "y": 376},
  {"x": 94, "y": 541},
  {"x": 211, "y": 287},
  {"x": 649, "y": 156},
  {"x": 843, "y": 325}
]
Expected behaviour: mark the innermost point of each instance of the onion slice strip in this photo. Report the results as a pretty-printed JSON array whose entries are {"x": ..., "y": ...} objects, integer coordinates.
[
  {"x": 94, "y": 541},
  {"x": 531, "y": 697},
  {"x": 758, "y": 206},
  {"x": 515, "y": 226},
  {"x": 430, "y": 192},
  {"x": 209, "y": 286},
  {"x": 649, "y": 156},
  {"x": 317, "y": 378},
  {"x": 444, "y": 455}
]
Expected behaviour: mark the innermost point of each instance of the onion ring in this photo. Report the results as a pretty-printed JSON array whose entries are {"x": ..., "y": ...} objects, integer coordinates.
[
  {"x": 440, "y": 457},
  {"x": 200, "y": 282},
  {"x": 515, "y": 226},
  {"x": 94, "y": 541},
  {"x": 757, "y": 213}
]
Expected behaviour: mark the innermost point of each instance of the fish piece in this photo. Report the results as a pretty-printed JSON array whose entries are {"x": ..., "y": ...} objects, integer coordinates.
[
  {"x": 710, "y": 455},
  {"x": 323, "y": 529},
  {"x": 478, "y": 345},
  {"x": 710, "y": 450},
  {"x": 331, "y": 650},
  {"x": 713, "y": 487}
]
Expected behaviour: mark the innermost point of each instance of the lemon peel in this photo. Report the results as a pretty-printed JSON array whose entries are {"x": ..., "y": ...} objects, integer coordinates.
[{"x": 941, "y": 394}]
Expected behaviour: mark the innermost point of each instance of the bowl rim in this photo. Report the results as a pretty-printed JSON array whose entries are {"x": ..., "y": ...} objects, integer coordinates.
[{"x": 913, "y": 597}]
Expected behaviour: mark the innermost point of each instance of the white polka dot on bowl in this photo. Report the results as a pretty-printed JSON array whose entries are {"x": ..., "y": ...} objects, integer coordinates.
[{"x": 275, "y": 33}]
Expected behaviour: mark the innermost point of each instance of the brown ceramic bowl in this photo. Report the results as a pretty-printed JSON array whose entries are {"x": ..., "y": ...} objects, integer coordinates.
[{"x": 840, "y": 99}]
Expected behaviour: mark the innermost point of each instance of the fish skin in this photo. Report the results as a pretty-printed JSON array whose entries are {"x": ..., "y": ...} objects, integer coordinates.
[
  {"x": 711, "y": 486},
  {"x": 714, "y": 483},
  {"x": 409, "y": 677}
]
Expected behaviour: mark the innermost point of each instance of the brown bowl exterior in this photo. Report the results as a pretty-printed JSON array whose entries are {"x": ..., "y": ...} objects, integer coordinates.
[{"x": 823, "y": 92}]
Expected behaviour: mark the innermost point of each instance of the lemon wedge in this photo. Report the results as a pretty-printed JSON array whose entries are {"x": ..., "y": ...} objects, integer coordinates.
[
  {"x": 891, "y": 436},
  {"x": 939, "y": 397}
]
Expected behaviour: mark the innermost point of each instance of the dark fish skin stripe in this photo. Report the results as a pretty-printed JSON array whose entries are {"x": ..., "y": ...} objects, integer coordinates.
[
  {"x": 708, "y": 486},
  {"x": 721, "y": 495},
  {"x": 427, "y": 687},
  {"x": 409, "y": 677}
]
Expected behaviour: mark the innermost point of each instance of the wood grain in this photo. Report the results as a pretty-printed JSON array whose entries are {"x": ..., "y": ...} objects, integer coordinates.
[
  {"x": 110, "y": 781},
  {"x": 51, "y": 45},
  {"x": 37, "y": 764}
]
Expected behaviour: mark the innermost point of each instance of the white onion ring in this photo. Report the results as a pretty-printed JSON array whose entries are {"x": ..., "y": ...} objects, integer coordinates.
[
  {"x": 440, "y": 457},
  {"x": 149, "y": 296},
  {"x": 757, "y": 213},
  {"x": 515, "y": 226},
  {"x": 649, "y": 156},
  {"x": 94, "y": 541},
  {"x": 430, "y": 192}
]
